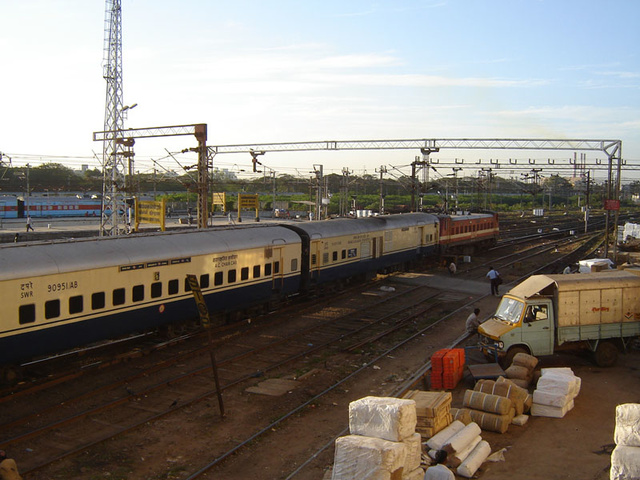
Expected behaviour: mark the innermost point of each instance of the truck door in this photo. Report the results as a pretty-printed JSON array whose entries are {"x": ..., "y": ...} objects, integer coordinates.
[{"x": 537, "y": 328}]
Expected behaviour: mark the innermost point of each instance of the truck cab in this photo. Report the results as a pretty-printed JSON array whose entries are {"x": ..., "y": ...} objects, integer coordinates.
[{"x": 520, "y": 326}]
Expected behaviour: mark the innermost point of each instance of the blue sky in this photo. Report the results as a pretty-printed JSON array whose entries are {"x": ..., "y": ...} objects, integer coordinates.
[{"x": 289, "y": 71}]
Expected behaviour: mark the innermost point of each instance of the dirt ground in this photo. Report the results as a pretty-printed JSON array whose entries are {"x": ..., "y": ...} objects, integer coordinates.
[{"x": 577, "y": 446}]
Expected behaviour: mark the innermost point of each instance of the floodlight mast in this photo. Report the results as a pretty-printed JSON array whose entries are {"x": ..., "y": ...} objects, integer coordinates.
[{"x": 113, "y": 221}]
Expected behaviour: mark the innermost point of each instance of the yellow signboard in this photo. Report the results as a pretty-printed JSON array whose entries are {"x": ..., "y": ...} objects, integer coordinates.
[
  {"x": 247, "y": 201},
  {"x": 219, "y": 198},
  {"x": 148, "y": 211}
]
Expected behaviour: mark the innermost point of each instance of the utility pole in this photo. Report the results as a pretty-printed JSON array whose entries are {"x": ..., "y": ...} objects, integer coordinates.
[
  {"x": 382, "y": 171},
  {"x": 344, "y": 192},
  {"x": 317, "y": 169},
  {"x": 455, "y": 176}
]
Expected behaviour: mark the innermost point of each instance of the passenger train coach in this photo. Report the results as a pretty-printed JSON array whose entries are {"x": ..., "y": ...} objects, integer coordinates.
[{"x": 63, "y": 294}]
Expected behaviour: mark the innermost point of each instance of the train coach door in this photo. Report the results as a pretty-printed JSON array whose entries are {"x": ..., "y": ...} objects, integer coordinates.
[
  {"x": 277, "y": 272},
  {"x": 376, "y": 250}
]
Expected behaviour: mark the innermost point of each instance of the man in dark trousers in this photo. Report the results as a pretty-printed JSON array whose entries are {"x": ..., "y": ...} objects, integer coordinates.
[{"x": 494, "y": 276}]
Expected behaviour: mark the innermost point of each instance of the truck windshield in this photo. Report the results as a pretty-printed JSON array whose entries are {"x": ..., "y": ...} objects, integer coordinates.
[{"x": 509, "y": 310}]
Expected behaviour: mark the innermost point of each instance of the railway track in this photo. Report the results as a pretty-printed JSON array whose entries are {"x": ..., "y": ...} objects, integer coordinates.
[
  {"x": 126, "y": 404},
  {"x": 346, "y": 338}
]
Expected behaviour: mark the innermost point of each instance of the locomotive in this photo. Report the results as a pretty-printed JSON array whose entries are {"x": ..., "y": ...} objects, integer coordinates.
[{"x": 62, "y": 294}]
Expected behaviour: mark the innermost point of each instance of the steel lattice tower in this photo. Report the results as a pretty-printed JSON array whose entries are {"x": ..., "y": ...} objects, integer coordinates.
[{"x": 113, "y": 153}]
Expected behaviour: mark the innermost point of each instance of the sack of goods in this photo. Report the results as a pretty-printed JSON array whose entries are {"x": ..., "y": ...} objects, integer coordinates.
[
  {"x": 521, "y": 369},
  {"x": 554, "y": 394},
  {"x": 383, "y": 441},
  {"x": 625, "y": 458}
]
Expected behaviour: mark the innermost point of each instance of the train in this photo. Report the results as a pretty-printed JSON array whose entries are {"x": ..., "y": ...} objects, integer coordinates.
[
  {"x": 62, "y": 294},
  {"x": 49, "y": 207}
]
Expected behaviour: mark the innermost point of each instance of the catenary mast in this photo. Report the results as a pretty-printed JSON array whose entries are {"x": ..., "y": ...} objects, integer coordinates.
[{"x": 113, "y": 154}]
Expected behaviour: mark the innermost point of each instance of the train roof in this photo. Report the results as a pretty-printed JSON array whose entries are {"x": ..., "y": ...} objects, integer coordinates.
[
  {"x": 68, "y": 256},
  {"x": 471, "y": 216},
  {"x": 347, "y": 226}
]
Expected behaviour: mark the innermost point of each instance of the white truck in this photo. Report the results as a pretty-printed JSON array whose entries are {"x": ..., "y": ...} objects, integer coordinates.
[{"x": 548, "y": 313}]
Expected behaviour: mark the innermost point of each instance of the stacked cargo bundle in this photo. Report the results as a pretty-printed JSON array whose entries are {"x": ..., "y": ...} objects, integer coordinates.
[
  {"x": 447, "y": 366},
  {"x": 491, "y": 412},
  {"x": 382, "y": 444},
  {"x": 554, "y": 394},
  {"x": 433, "y": 410},
  {"x": 466, "y": 450},
  {"x": 625, "y": 458},
  {"x": 521, "y": 369}
]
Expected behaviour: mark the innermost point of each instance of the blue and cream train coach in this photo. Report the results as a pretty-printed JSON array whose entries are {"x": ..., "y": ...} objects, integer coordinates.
[{"x": 63, "y": 294}]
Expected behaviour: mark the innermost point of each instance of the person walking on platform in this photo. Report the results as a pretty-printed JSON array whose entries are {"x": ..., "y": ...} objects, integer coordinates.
[
  {"x": 29, "y": 225},
  {"x": 8, "y": 468},
  {"x": 453, "y": 268},
  {"x": 494, "y": 277}
]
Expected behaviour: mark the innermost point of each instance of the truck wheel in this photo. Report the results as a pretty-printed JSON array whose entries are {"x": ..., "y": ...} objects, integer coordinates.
[
  {"x": 606, "y": 354},
  {"x": 505, "y": 362}
]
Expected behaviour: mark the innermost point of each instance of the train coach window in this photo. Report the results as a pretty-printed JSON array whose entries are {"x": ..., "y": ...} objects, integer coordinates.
[
  {"x": 52, "y": 309},
  {"x": 335, "y": 256},
  {"x": 344, "y": 254},
  {"x": 97, "y": 300},
  {"x": 204, "y": 280},
  {"x": 137, "y": 293},
  {"x": 118, "y": 296},
  {"x": 231, "y": 276},
  {"x": 294, "y": 264},
  {"x": 314, "y": 259},
  {"x": 156, "y": 289},
  {"x": 276, "y": 267},
  {"x": 174, "y": 287},
  {"x": 75, "y": 304},
  {"x": 244, "y": 273},
  {"x": 218, "y": 278},
  {"x": 187, "y": 286},
  {"x": 267, "y": 270},
  {"x": 256, "y": 271},
  {"x": 27, "y": 314}
]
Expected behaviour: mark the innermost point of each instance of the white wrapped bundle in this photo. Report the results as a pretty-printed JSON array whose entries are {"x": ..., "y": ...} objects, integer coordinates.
[
  {"x": 544, "y": 397},
  {"x": 457, "y": 458},
  {"x": 460, "y": 440},
  {"x": 388, "y": 418},
  {"x": 367, "y": 458},
  {"x": 474, "y": 460},
  {"x": 520, "y": 420},
  {"x": 439, "y": 439},
  {"x": 627, "y": 430},
  {"x": 625, "y": 463},
  {"x": 547, "y": 411},
  {"x": 559, "y": 380},
  {"x": 413, "y": 445},
  {"x": 417, "y": 474}
]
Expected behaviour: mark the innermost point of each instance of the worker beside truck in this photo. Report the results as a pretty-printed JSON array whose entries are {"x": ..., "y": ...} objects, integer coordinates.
[{"x": 549, "y": 313}]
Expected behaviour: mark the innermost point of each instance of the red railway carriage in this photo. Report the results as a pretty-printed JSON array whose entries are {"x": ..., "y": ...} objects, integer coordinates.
[{"x": 465, "y": 234}]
